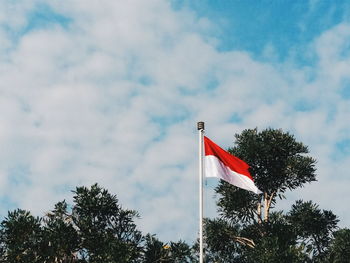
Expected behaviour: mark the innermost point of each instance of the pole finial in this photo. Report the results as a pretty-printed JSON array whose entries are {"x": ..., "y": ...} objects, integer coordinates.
[{"x": 200, "y": 125}]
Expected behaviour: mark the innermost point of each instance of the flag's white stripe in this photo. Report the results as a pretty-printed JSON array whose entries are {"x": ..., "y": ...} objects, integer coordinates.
[{"x": 213, "y": 167}]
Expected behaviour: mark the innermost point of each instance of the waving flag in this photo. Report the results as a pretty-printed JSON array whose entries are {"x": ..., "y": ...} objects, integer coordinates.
[{"x": 221, "y": 164}]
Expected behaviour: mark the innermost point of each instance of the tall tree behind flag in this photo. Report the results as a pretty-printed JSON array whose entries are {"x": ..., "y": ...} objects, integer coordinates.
[{"x": 219, "y": 163}]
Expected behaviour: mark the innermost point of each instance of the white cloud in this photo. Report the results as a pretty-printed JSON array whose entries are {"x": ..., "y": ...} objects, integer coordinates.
[{"x": 114, "y": 99}]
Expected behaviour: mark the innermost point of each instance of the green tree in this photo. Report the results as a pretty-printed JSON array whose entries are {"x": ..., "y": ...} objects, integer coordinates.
[
  {"x": 108, "y": 232},
  {"x": 339, "y": 249},
  {"x": 223, "y": 241},
  {"x": 248, "y": 230},
  {"x": 276, "y": 241},
  {"x": 21, "y": 237},
  {"x": 60, "y": 239},
  {"x": 157, "y": 251},
  {"x": 277, "y": 163},
  {"x": 314, "y": 228},
  {"x": 95, "y": 229},
  {"x": 181, "y": 252}
]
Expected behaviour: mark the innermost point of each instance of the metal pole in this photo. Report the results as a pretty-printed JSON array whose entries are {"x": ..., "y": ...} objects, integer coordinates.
[{"x": 200, "y": 127}]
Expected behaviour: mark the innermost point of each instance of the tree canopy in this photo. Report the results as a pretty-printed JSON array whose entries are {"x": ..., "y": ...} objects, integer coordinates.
[
  {"x": 249, "y": 230},
  {"x": 95, "y": 228}
]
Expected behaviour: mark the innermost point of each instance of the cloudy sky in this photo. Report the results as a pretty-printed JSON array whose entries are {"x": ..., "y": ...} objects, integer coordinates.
[{"x": 110, "y": 92}]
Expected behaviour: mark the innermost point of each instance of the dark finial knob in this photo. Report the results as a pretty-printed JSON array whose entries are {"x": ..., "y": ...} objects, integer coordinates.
[{"x": 200, "y": 125}]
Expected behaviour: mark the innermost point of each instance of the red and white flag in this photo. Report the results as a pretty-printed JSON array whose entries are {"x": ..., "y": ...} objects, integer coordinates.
[{"x": 221, "y": 164}]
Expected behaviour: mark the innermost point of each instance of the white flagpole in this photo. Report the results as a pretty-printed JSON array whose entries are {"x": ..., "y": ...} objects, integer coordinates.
[{"x": 200, "y": 127}]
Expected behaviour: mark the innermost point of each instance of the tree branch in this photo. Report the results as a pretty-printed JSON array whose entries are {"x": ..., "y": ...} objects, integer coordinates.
[
  {"x": 242, "y": 240},
  {"x": 245, "y": 241},
  {"x": 259, "y": 213},
  {"x": 266, "y": 212},
  {"x": 268, "y": 200}
]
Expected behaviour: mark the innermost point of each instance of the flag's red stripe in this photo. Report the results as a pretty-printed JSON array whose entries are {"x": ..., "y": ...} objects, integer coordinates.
[{"x": 234, "y": 163}]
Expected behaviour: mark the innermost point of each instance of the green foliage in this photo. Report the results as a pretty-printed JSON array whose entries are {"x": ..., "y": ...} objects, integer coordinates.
[
  {"x": 157, "y": 251},
  {"x": 339, "y": 250},
  {"x": 313, "y": 226},
  {"x": 272, "y": 241},
  {"x": 96, "y": 229},
  {"x": 278, "y": 162},
  {"x": 276, "y": 241},
  {"x": 60, "y": 240},
  {"x": 237, "y": 205},
  {"x": 107, "y": 231},
  {"x": 248, "y": 231},
  {"x": 181, "y": 252},
  {"x": 20, "y": 236},
  {"x": 221, "y": 242}
]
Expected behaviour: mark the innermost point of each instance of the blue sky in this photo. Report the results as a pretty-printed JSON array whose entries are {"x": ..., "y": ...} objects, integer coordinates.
[
  {"x": 110, "y": 92},
  {"x": 252, "y": 25}
]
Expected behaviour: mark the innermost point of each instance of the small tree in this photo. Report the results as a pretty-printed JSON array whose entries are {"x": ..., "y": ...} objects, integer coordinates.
[
  {"x": 339, "y": 250},
  {"x": 108, "y": 232},
  {"x": 314, "y": 227},
  {"x": 21, "y": 237},
  {"x": 248, "y": 231},
  {"x": 277, "y": 163},
  {"x": 95, "y": 229},
  {"x": 60, "y": 239},
  {"x": 157, "y": 251}
]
